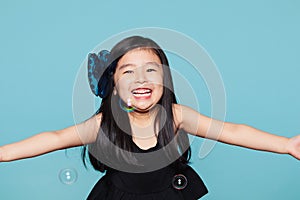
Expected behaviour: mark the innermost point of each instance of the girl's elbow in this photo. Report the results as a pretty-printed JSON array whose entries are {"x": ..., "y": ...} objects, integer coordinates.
[
  {"x": 240, "y": 128},
  {"x": 231, "y": 131}
]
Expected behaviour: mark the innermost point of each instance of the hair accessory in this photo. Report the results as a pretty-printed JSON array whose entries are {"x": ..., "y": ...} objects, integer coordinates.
[{"x": 99, "y": 72}]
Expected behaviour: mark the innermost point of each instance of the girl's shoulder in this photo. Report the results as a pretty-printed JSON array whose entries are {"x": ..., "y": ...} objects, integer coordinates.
[
  {"x": 177, "y": 114},
  {"x": 177, "y": 108},
  {"x": 184, "y": 115},
  {"x": 98, "y": 118}
]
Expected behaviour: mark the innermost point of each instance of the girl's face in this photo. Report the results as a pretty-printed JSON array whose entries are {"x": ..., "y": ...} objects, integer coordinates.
[{"x": 139, "y": 79}]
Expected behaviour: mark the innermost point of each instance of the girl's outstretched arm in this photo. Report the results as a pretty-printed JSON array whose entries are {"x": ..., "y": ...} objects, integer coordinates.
[
  {"x": 236, "y": 134},
  {"x": 46, "y": 142}
]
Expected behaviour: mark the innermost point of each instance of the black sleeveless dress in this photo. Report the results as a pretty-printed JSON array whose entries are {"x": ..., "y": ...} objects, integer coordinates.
[{"x": 181, "y": 183}]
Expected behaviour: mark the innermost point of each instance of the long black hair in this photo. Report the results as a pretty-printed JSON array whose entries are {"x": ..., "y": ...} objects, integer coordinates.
[{"x": 115, "y": 129}]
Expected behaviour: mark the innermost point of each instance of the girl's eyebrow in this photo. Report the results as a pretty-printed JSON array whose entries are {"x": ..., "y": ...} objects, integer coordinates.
[
  {"x": 147, "y": 63},
  {"x": 125, "y": 65},
  {"x": 153, "y": 63}
]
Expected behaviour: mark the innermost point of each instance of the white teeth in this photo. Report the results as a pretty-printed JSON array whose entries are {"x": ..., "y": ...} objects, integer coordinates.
[
  {"x": 141, "y": 91},
  {"x": 141, "y": 95}
]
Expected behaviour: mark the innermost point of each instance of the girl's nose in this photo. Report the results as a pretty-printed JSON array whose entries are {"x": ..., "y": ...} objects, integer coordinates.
[{"x": 140, "y": 75}]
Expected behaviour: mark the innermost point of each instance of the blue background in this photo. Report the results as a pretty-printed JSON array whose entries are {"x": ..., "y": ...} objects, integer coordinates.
[{"x": 255, "y": 45}]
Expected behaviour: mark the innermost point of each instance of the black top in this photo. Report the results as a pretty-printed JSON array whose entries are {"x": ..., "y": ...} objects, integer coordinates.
[{"x": 176, "y": 183}]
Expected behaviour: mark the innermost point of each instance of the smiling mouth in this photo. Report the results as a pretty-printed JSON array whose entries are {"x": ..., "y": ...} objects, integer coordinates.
[{"x": 142, "y": 92}]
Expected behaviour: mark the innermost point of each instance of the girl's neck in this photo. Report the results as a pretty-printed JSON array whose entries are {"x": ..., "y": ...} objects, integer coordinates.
[
  {"x": 143, "y": 119},
  {"x": 142, "y": 126}
]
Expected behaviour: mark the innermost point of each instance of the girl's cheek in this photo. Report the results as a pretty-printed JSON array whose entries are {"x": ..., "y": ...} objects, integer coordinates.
[
  {"x": 123, "y": 88},
  {"x": 156, "y": 80}
]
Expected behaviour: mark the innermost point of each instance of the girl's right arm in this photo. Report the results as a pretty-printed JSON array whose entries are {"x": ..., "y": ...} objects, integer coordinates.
[{"x": 46, "y": 142}]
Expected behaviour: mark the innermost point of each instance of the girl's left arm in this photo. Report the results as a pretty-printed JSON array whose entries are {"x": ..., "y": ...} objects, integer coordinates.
[{"x": 236, "y": 134}]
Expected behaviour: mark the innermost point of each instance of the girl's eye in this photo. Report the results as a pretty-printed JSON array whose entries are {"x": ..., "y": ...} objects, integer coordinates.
[
  {"x": 151, "y": 70},
  {"x": 128, "y": 72}
]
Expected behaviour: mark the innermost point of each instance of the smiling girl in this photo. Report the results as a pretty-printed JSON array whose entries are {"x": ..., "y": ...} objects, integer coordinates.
[{"x": 139, "y": 135}]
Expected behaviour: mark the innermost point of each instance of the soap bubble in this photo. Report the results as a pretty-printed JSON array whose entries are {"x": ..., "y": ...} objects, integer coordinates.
[
  {"x": 68, "y": 176},
  {"x": 126, "y": 108},
  {"x": 179, "y": 182}
]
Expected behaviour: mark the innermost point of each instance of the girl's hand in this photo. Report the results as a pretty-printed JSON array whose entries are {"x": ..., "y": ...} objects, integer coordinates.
[
  {"x": 1, "y": 154},
  {"x": 293, "y": 147}
]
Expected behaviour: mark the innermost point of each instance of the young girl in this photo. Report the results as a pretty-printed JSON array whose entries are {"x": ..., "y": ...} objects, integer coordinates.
[{"x": 139, "y": 136}]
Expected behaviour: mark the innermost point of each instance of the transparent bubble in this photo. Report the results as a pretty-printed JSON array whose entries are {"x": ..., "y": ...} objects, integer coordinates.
[
  {"x": 179, "y": 182},
  {"x": 127, "y": 108},
  {"x": 67, "y": 176}
]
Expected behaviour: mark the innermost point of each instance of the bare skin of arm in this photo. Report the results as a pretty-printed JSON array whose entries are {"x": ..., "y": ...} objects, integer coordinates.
[
  {"x": 236, "y": 134},
  {"x": 46, "y": 142}
]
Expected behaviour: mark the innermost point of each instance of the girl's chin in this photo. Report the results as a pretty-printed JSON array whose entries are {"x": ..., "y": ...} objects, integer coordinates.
[{"x": 143, "y": 108}]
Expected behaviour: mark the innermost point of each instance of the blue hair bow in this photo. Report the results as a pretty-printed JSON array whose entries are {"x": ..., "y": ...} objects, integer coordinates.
[{"x": 99, "y": 73}]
